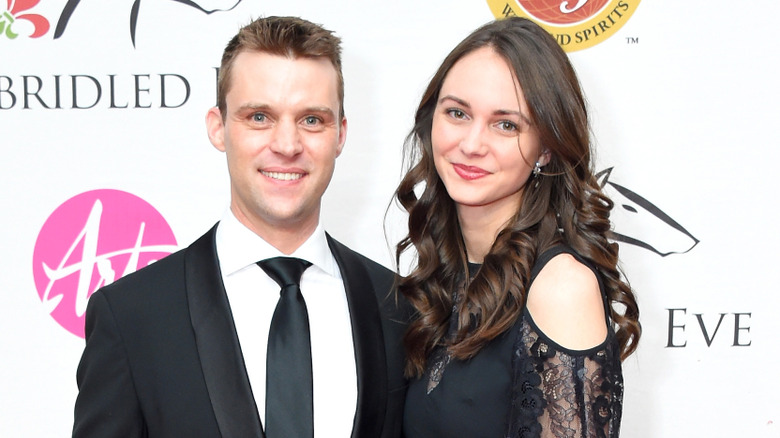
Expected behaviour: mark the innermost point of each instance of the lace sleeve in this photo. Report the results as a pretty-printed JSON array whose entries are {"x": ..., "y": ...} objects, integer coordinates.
[{"x": 563, "y": 393}]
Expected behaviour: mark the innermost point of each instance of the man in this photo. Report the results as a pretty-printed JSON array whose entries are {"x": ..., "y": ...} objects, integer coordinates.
[{"x": 178, "y": 349}]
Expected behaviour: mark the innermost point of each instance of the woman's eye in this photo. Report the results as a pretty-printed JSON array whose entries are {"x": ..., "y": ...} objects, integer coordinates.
[
  {"x": 456, "y": 113},
  {"x": 507, "y": 126}
]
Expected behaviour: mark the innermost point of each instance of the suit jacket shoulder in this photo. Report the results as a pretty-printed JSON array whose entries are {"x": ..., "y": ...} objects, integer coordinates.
[
  {"x": 378, "y": 323},
  {"x": 154, "y": 363}
]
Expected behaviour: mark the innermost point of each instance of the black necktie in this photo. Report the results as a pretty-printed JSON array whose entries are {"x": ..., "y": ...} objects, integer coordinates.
[{"x": 289, "y": 403}]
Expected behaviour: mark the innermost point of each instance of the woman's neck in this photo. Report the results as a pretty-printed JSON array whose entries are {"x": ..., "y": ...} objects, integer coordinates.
[{"x": 479, "y": 226}]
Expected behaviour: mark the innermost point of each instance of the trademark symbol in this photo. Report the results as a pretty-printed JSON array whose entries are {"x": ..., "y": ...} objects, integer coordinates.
[{"x": 632, "y": 40}]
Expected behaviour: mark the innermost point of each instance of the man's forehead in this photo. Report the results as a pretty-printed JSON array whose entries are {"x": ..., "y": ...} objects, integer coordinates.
[
  {"x": 250, "y": 63},
  {"x": 261, "y": 79}
]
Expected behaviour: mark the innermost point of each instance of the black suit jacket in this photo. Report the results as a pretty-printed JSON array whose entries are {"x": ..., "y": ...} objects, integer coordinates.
[{"x": 162, "y": 357}]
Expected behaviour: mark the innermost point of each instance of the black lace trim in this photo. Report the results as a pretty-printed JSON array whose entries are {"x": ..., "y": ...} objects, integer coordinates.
[{"x": 560, "y": 393}]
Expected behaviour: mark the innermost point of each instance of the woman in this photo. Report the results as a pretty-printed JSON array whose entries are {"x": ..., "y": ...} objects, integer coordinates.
[{"x": 516, "y": 333}]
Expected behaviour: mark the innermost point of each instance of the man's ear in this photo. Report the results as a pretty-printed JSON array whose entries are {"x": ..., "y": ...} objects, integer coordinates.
[
  {"x": 342, "y": 136},
  {"x": 215, "y": 128}
]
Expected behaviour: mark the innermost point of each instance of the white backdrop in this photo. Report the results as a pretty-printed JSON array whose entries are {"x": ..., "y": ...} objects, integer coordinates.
[{"x": 683, "y": 102}]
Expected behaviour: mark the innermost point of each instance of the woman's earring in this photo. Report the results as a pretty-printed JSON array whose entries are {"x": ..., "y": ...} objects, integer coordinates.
[
  {"x": 537, "y": 169},
  {"x": 536, "y": 172}
]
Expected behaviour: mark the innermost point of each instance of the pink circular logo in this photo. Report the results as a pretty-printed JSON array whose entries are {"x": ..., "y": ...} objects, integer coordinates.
[{"x": 90, "y": 241}]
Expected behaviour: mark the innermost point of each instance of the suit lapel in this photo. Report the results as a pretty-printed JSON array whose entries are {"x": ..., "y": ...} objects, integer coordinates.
[
  {"x": 369, "y": 345},
  {"x": 217, "y": 342}
]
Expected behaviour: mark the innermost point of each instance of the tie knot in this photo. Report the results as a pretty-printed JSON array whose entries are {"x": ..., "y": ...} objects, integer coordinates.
[{"x": 285, "y": 271}]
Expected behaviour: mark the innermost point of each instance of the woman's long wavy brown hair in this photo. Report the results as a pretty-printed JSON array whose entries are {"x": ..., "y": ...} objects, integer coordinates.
[{"x": 563, "y": 205}]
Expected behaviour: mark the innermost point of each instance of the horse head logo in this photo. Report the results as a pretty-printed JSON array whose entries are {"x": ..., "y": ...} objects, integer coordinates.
[
  {"x": 205, "y": 6},
  {"x": 639, "y": 222}
]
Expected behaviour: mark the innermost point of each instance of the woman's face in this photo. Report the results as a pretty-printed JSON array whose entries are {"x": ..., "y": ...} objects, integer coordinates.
[{"x": 484, "y": 146}]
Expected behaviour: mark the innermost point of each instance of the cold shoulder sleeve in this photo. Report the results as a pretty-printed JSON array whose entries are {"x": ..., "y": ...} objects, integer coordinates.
[{"x": 558, "y": 392}]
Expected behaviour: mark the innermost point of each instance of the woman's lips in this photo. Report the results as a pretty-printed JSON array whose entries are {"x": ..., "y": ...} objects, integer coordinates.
[{"x": 470, "y": 172}]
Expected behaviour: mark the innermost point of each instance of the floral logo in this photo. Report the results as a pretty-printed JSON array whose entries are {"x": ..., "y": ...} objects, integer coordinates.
[
  {"x": 13, "y": 15},
  {"x": 89, "y": 241}
]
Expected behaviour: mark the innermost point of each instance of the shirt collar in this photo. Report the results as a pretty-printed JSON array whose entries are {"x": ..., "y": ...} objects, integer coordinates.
[{"x": 239, "y": 247}]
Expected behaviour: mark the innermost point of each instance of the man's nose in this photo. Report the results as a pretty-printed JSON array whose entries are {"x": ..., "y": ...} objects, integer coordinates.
[{"x": 287, "y": 139}]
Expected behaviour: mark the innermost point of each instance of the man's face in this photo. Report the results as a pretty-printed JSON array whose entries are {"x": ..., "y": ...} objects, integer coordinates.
[{"x": 281, "y": 134}]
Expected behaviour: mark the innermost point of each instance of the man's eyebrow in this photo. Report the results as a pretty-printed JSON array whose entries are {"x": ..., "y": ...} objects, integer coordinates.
[
  {"x": 265, "y": 107},
  {"x": 321, "y": 109},
  {"x": 253, "y": 107}
]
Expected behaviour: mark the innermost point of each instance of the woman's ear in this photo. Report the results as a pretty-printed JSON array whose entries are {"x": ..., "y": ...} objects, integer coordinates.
[{"x": 544, "y": 157}]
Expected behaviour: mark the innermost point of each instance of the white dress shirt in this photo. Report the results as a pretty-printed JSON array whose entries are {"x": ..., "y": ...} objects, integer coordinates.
[{"x": 253, "y": 296}]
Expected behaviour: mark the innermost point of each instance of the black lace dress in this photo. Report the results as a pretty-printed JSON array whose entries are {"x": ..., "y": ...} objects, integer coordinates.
[{"x": 522, "y": 384}]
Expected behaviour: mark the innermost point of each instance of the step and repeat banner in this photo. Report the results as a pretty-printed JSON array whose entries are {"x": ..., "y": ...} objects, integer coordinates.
[{"x": 106, "y": 168}]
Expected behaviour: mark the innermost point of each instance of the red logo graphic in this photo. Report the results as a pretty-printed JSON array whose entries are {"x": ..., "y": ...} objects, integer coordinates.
[
  {"x": 90, "y": 241},
  {"x": 10, "y": 19},
  {"x": 575, "y": 24},
  {"x": 562, "y": 12}
]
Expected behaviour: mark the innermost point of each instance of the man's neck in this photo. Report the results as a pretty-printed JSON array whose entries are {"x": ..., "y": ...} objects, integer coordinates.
[{"x": 285, "y": 237}]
